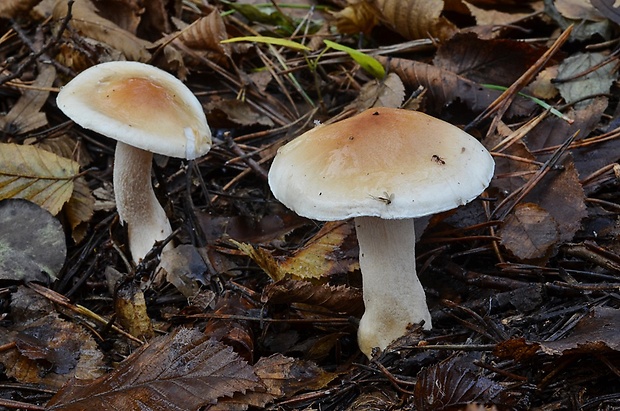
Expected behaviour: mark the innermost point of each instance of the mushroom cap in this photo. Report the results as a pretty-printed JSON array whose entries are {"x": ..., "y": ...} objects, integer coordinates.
[
  {"x": 383, "y": 162},
  {"x": 140, "y": 105}
]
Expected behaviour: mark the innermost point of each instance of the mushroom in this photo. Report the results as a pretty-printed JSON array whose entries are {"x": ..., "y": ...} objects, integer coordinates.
[
  {"x": 384, "y": 167},
  {"x": 147, "y": 110}
]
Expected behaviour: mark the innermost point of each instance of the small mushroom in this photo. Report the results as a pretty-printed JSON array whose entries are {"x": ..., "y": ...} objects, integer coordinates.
[
  {"x": 147, "y": 110},
  {"x": 384, "y": 167}
]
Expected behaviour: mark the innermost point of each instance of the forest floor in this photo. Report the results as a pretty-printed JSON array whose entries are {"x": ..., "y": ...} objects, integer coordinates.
[{"x": 258, "y": 308}]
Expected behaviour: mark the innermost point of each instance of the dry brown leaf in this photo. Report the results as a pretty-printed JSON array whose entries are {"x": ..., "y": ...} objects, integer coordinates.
[
  {"x": 36, "y": 175},
  {"x": 543, "y": 86},
  {"x": 332, "y": 250},
  {"x": 577, "y": 10},
  {"x": 239, "y": 112},
  {"x": 10, "y": 9},
  {"x": 323, "y": 255},
  {"x": 339, "y": 299},
  {"x": 561, "y": 194},
  {"x": 416, "y": 19},
  {"x": 184, "y": 370},
  {"x": 87, "y": 20},
  {"x": 358, "y": 17},
  {"x": 444, "y": 87},
  {"x": 388, "y": 92},
  {"x": 529, "y": 232},
  {"x": 26, "y": 114},
  {"x": 207, "y": 33},
  {"x": 79, "y": 209}
]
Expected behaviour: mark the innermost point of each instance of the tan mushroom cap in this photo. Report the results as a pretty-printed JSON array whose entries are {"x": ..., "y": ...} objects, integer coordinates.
[
  {"x": 139, "y": 105},
  {"x": 383, "y": 162}
]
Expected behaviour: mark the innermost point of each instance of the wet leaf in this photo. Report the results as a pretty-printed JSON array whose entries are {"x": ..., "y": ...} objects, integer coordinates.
[
  {"x": 36, "y": 175},
  {"x": 339, "y": 299},
  {"x": 453, "y": 382},
  {"x": 184, "y": 268},
  {"x": 184, "y": 370},
  {"x": 529, "y": 232},
  {"x": 366, "y": 62},
  {"x": 32, "y": 242},
  {"x": 584, "y": 78}
]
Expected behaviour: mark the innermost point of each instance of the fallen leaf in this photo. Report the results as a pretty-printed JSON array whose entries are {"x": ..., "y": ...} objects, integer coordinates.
[
  {"x": 445, "y": 87},
  {"x": 36, "y": 175},
  {"x": 454, "y": 382},
  {"x": 239, "y": 112},
  {"x": 338, "y": 299},
  {"x": 359, "y": 16},
  {"x": 207, "y": 33},
  {"x": 581, "y": 75},
  {"x": 184, "y": 370},
  {"x": 529, "y": 232},
  {"x": 416, "y": 19},
  {"x": 9, "y": 9},
  {"x": 79, "y": 209},
  {"x": 26, "y": 114},
  {"x": 332, "y": 250},
  {"x": 184, "y": 268},
  {"x": 32, "y": 242},
  {"x": 608, "y": 8},
  {"x": 498, "y": 61},
  {"x": 388, "y": 92},
  {"x": 87, "y": 20}
]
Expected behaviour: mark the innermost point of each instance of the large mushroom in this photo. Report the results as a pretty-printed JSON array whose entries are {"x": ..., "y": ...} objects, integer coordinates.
[
  {"x": 384, "y": 167},
  {"x": 147, "y": 110}
]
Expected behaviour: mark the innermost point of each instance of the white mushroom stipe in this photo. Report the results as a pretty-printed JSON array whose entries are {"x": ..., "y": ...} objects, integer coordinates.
[
  {"x": 384, "y": 167},
  {"x": 147, "y": 111}
]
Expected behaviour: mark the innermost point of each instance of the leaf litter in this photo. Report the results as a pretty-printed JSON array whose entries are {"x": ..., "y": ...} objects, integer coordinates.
[{"x": 257, "y": 308}]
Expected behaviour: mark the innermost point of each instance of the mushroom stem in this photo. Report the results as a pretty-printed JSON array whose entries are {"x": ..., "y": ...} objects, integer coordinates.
[
  {"x": 393, "y": 295},
  {"x": 136, "y": 202}
]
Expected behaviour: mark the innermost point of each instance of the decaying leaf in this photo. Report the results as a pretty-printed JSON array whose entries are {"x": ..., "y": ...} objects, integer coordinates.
[
  {"x": 184, "y": 268},
  {"x": 321, "y": 256},
  {"x": 339, "y": 299},
  {"x": 32, "y": 242},
  {"x": 36, "y": 175},
  {"x": 529, "y": 232},
  {"x": 130, "y": 310},
  {"x": 79, "y": 209},
  {"x": 184, "y": 370},
  {"x": 86, "y": 18},
  {"x": 331, "y": 250},
  {"x": 388, "y": 92},
  {"x": 416, "y": 19},
  {"x": 608, "y": 8},
  {"x": 26, "y": 114},
  {"x": 497, "y": 61},
  {"x": 239, "y": 112},
  {"x": 207, "y": 33},
  {"x": 9, "y": 9},
  {"x": 445, "y": 87},
  {"x": 455, "y": 382},
  {"x": 585, "y": 75},
  {"x": 595, "y": 333},
  {"x": 359, "y": 16},
  {"x": 587, "y": 21}
]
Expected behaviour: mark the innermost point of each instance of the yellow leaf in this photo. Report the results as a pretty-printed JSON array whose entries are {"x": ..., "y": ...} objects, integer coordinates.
[
  {"x": 263, "y": 258},
  {"x": 36, "y": 175},
  {"x": 80, "y": 209}
]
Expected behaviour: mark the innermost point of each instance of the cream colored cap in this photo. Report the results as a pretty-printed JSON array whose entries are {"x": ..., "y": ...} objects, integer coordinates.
[
  {"x": 139, "y": 105},
  {"x": 383, "y": 162}
]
